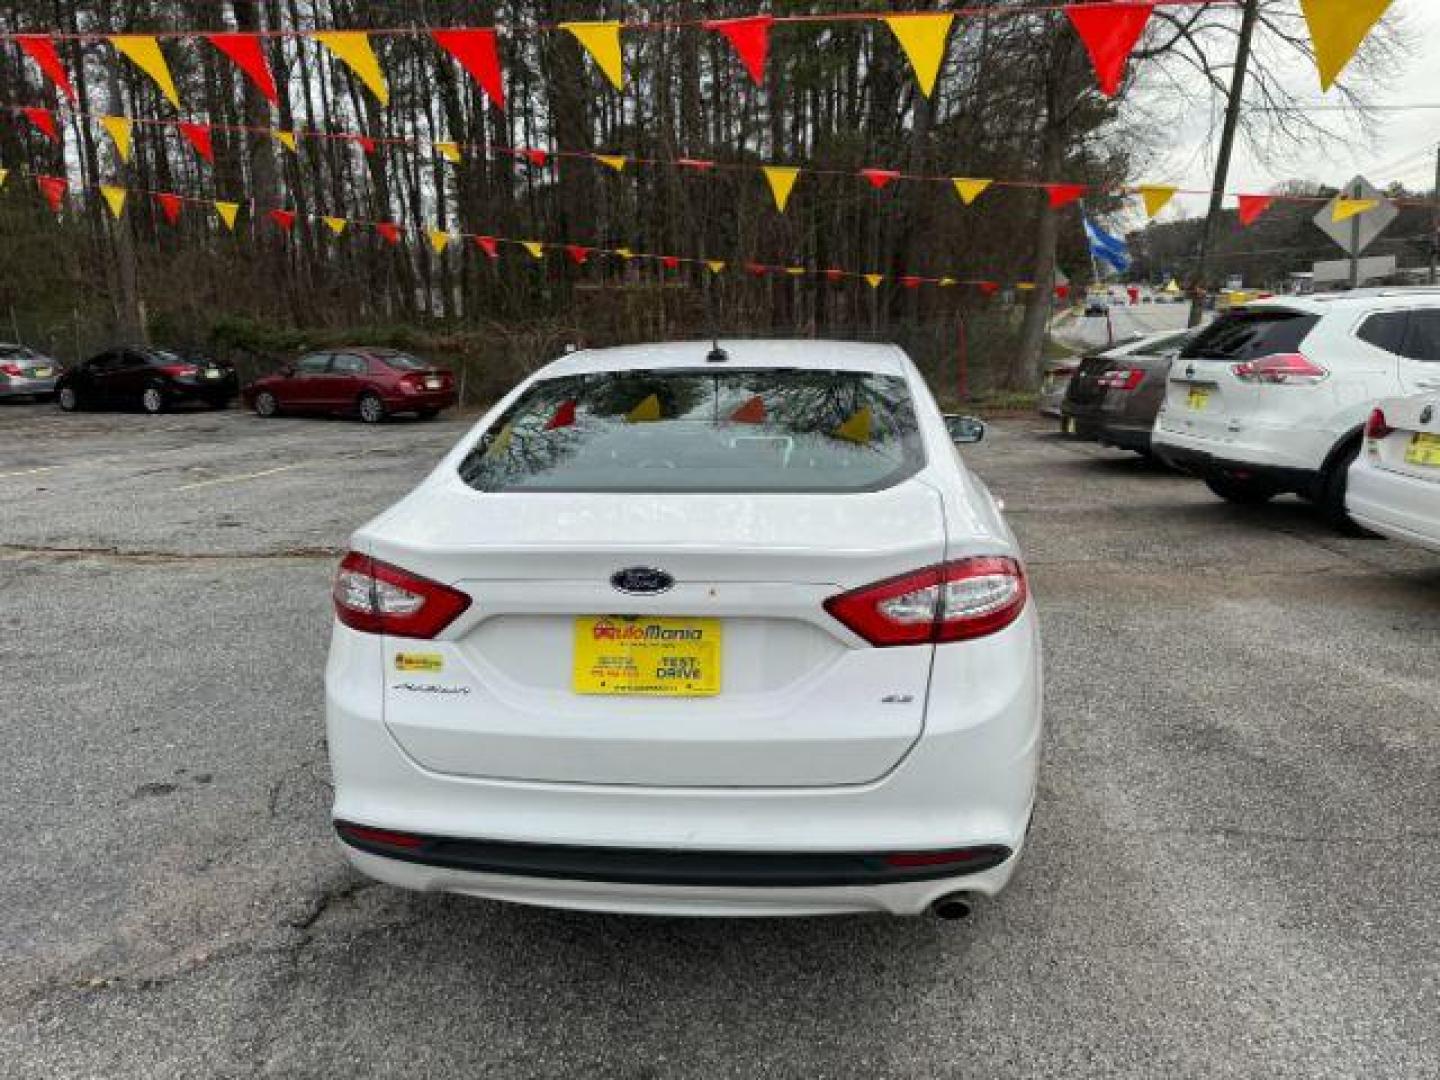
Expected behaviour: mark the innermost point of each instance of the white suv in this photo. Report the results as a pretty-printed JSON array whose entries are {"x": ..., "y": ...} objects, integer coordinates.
[{"x": 1273, "y": 397}]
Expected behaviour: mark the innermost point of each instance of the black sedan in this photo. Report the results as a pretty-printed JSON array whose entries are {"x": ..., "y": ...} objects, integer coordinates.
[{"x": 151, "y": 379}]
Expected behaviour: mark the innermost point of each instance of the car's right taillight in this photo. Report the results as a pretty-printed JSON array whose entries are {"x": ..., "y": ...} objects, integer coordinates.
[
  {"x": 956, "y": 601},
  {"x": 1122, "y": 379},
  {"x": 378, "y": 598},
  {"x": 1377, "y": 427},
  {"x": 1281, "y": 369}
]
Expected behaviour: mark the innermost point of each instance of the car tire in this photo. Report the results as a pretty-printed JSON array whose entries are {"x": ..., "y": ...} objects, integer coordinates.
[
  {"x": 1333, "y": 484},
  {"x": 370, "y": 408},
  {"x": 152, "y": 400},
  {"x": 68, "y": 399},
  {"x": 428, "y": 414},
  {"x": 266, "y": 405},
  {"x": 1248, "y": 492}
]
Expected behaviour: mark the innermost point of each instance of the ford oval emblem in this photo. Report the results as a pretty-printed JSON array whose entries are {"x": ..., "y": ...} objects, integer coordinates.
[{"x": 642, "y": 580}]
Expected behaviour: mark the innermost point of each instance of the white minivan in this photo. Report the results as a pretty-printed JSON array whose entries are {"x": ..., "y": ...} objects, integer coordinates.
[{"x": 1274, "y": 396}]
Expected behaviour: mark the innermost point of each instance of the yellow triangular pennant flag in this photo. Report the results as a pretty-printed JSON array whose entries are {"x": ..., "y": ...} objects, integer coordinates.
[
  {"x": 923, "y": 38},
  {"x": 1345, "y": 209},
  {"x": 115, "y": 196},
  {"x": 857, "y": 428},
  {"x": 1025, "y": 286},
  {"x": 1337, "y": 27},
  {"x": 614, "y": 161},
  {"x": 649, "y": 409},
  {"x": 286, "y": 139},
  {"x": 439, "y": 238},
  {"x": 353, "y": 47},
  {"x": 794, "y": 271},
  {"x": 781, "y": 179},
  {"x": 717, "y": 266},
  {"x": 602, "y": 41},
  {"x": 337, "y": 224},
  {"x": 969, "y": 190},
  {"x": 501, "y": 442},
  {"x": 1157, "y": 197},
  {"x": 144, "y": 52},
  {"x": 625, "y": 253},
  {"x": 874, "y": 280},
  {"x": 534, "y": 247},
  {"x": 448, "y": 150},
  {"x": 944, "y": 281},
  {"x": 3, "y": 174},
  {"x": 227, "y": 212},
  {"x": 118, "y": 128}
]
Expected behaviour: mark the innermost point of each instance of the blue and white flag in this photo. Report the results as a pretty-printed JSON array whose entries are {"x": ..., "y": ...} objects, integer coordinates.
[{"x": 1107, "y": 248}]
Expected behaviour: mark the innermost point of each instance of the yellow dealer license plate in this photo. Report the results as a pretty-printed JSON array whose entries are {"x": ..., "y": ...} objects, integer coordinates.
[
  {"x": 1423, "y": 449},
  {"x": 659, "y": 657},
  {"x": 1199, "y": 397}
]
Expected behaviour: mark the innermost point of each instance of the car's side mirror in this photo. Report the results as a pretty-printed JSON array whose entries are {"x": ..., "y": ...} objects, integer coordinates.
[{"x": 965, "y": 429}]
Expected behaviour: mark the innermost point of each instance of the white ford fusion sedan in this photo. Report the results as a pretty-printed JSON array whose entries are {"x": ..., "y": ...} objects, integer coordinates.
[{"x": 684, "y": 629}]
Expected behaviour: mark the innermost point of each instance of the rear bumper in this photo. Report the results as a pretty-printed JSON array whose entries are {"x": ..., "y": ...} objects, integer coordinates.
[
  {"x": 19, "y": 387},
  {"x": 968, "y": 783},
  {"x": 202, "y": 390},
  {"x": 1126, "y": 438},
  {"x": 1205, "y": 465},
  {"x": 1403, "y": 508},
  {"x": 430, "y": 399}
]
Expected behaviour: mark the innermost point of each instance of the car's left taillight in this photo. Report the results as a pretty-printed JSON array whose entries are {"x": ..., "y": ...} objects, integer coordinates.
[
  {"x": 1281, "y": 369},
  {"x": 378, "y": 598},
  {"x": 1377, "y": 427},
  {"x": 955, "y": 601}
]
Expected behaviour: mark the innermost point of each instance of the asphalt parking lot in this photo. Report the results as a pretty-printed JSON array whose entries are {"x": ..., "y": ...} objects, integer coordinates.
[{"x": 1234, "y": 870}]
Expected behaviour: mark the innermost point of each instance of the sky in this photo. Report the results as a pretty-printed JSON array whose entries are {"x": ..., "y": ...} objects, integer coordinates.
[{"x": 1400, "y": 147}]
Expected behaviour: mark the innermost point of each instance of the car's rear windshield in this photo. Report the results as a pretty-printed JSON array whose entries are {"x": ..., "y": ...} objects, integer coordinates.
[
  {"x": 1247, "y": 334},
  {"x": 686, "y": 430},
  {"x": 402, "y": 361}
]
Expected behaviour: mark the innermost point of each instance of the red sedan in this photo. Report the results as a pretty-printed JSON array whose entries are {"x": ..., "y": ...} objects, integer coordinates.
[{"x": 370, "y": 383}]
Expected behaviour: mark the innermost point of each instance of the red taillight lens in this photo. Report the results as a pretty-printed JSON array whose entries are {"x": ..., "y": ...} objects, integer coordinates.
[
  {"x": 378, "y": 598},
  {"x": 12, "y": 369},
  {"x": 179, "y": 369},
  {"x": 956, "y": 601},
  {"x": 1281, "y": 369},
  {"x": 1122, "y": 379},
  {"x": 388, "y": 837},
  {"x": 1377, "y": 427}
]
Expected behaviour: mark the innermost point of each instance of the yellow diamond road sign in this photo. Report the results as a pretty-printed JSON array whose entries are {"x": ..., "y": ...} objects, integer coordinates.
[{"x": 1357, "y": 233}]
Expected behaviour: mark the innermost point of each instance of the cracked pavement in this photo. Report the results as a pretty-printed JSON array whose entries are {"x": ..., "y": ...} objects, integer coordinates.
[{"x": 1232, "y": 872}]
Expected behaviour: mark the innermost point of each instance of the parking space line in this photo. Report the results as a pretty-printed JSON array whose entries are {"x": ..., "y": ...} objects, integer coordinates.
[
  {"x": 237, "y": 479},
  {"x": 30, "y": 472}
]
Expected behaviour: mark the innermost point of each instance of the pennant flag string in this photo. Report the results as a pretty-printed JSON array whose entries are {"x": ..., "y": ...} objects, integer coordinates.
[
  {"x": 143, "y": 51},
  {"x": 780, "y": 178}
]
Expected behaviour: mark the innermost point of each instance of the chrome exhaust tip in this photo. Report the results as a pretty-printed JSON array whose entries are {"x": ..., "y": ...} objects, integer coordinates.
[{"x": 953, "y": 906}]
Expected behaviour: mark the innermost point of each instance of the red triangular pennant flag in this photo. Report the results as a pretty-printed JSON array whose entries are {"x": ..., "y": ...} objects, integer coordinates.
[
  {"x": 42, "y": 50},
  {"x": 538, "y": 158},
  {"x": 53, "y": 188},
  {"x": 488, "y": 245},
  {"x": 1252, "y": 206},
  {"x": 1062, "y": 291},
  {"x": 284, "y": 218},
  {"x": 699, "y": 164},
  {"x": 752, "y": 412},
  {"x": 988, "y": 288},
  {"x": 1109, "y": 32},
  {"x": 44, "y": 120},
  {"x": 879, "y": 178},
  {"x": 578, "y": 254},
  {"x": 834, "y": 275},
  {"x": 169, "y": 205},
  {"x": 758, "y": 269},
  {"x": 247, "y": 53},
  {"x": 564, "y": 416},
  {"x": 389, "y": 230},
  {"x": 199, "y": 137},
  {"x": 670, "y": 262},
  {"x": 910, "y": 281},
  {"x": 1064, "y": 194},
  {"x": 750, "y": 39},
  {"x": 476, "y": 51},
  {"x": 366, "y": 143}
]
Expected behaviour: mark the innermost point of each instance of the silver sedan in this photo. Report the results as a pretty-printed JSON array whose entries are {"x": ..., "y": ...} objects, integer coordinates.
[{"x": 25, "y": 373}]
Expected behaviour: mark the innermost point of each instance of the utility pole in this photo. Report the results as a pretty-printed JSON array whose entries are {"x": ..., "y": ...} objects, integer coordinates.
[
  {"x": 1222, "y": 161},
  {"x": 1435, "y": 225},
  {"x": 1355, "y": 241}
]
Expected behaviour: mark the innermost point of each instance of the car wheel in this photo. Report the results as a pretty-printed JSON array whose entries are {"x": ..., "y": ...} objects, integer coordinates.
[
  {"x": 153, "y": 400},
  {"x": 266, "y": 405},
  {"x": 428, "y": 414},
  {"x": 69, "y": 400},
  {"x": 1246, "y": 492},
  {"x": 371, "y": 408},
  {"x": 1333, "y": 485}
]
